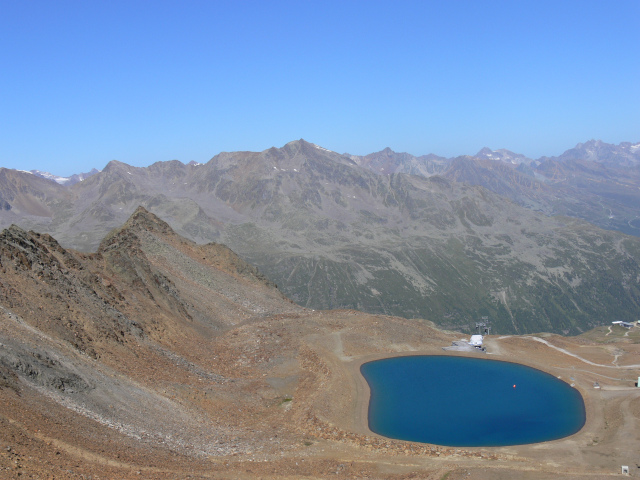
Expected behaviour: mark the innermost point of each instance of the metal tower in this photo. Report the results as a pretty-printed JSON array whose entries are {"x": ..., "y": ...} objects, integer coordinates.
[{"x": 483, "y": 327}]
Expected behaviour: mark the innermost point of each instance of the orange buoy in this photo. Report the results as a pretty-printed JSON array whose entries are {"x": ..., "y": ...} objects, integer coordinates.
[{"x": 514, "y": 386}]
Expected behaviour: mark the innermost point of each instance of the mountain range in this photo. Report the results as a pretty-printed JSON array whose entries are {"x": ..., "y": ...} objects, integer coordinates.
[{"x": 448, "y": 240}]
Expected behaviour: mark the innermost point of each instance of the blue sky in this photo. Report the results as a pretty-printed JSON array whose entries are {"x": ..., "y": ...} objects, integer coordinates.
[{"x": 86, "y": 82}]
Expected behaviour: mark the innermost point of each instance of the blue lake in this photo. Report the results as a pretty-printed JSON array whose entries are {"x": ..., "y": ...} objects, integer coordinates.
[{"x": 469, "y": 402}]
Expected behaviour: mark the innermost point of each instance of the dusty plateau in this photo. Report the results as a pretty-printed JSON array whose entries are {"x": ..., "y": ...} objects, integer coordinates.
[{"x": 159, "y": 358}]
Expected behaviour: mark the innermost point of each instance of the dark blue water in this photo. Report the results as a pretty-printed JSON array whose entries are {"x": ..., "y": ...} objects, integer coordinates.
[{"x": 469, "y": 402}]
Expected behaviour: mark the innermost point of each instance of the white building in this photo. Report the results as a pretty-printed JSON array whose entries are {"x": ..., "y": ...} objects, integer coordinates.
[{"x": 624, "y": 324}]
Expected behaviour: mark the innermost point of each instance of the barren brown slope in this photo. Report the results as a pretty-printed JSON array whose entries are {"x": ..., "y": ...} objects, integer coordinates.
[{"x": 159, "y": 358}]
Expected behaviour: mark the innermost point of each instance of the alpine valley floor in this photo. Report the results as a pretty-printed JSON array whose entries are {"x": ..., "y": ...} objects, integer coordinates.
[{"x": 307, "y": 416}]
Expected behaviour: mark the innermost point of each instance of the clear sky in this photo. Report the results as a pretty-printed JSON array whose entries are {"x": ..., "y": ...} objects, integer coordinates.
[{"x": 86, "y": 82}]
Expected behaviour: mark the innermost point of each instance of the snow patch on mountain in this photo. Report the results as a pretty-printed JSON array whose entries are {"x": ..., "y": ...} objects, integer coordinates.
[
  {"x": 502, "y": 155},
  {"x": 321, "y": 148},
  {"x": 50, "y": 176},
  {"x": 66, "y": 181}
]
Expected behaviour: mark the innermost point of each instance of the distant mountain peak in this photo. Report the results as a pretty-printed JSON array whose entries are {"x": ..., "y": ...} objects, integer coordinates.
[
  {"x": 592, "y": 142},
  {"x": 302, "y": 144},
  {"x": 598, "y": 151},
  {"x": 66, "y": 181},
  {"x": 503, "y": 155},
  {"x": 296, "y": 143},
  {"x": 114, "y": 165},
  {"x": 484, "y": 151}
]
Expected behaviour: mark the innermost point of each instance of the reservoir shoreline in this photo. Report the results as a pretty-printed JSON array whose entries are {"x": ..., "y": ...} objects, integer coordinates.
[
  {"x": 360, "y": 420},
  {"x": 467, "y": 402}
]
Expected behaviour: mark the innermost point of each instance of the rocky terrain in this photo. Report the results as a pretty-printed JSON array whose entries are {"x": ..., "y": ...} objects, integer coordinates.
[
  {"x": 594, "y": 181},
  {"x": 156, "y": 357},
  {"x": 452, "y": 241}
]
